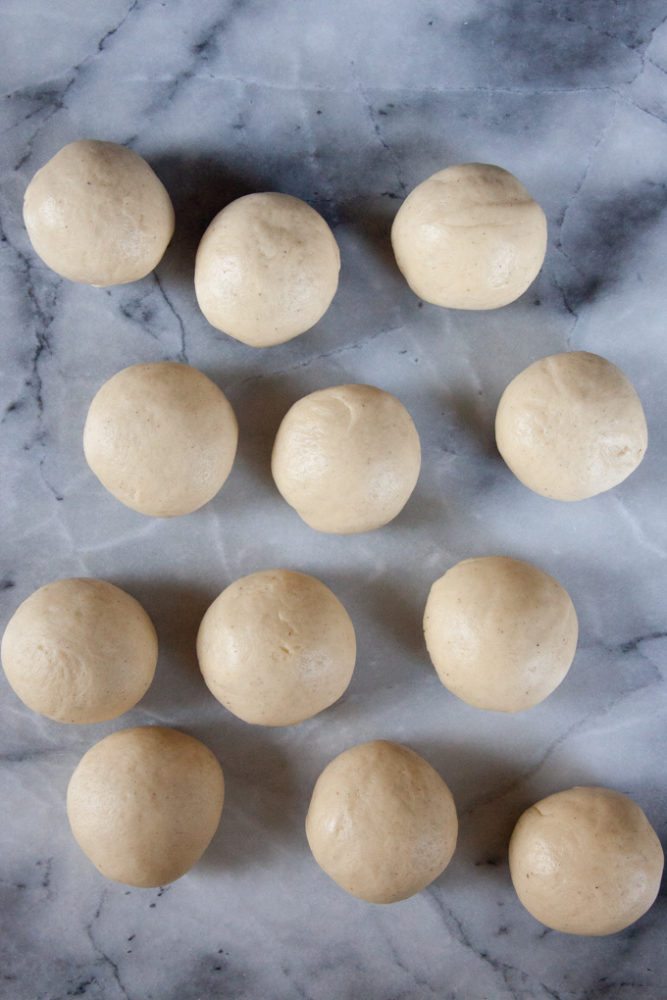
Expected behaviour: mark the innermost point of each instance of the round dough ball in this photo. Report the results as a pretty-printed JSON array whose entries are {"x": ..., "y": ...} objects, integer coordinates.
[
  {"x": 276, "y": 647},
  {"x": 80, "y": 651},
  {"x": 97, "y": 213},
  {"x": 347, "y": 458},
  {"x": 161, "y": 437},
  {"x": 571, "y": 426},
  {"x": 586, "y": 861},
  {"x": 266, "y": 269},
  {"x": 144, "y": 804},
  {"x": 501, "y": 633},
  {"x": 381, "y": 823},
  {"x": 469, "y": 237}
]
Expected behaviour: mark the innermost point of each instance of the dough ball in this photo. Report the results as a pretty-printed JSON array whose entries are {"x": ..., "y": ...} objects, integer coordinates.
[
  {"x": 266, "y": 269},
  {"x": 501, "y": 633},
  {"x": 161, "y": 437},
  {"x": 276, "y": 647},
  {"x": 145, "y": 803},
  {"x": 570, "y": 426},
  {"x": 347, "y": 458},
  {"x": 381, "y": 823},
  {"x": 469, "y": 237},
  {"x": 80, "y": 651},
  {"x": 96, "y": 213},
  {"x": 586, "y": 861}
]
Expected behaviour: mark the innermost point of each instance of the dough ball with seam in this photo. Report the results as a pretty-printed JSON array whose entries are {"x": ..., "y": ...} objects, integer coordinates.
[
  {"x": 381, "y": 823},
  {"x": 144, "y": 803},
  {"x": 266, "y": 269},
  {"x": 276, "y": 647},
  {"x": 161, "y": 437},
  {"x": 469, "y": 237},
  {"x": 96, "y": 213},
  {"x": 586, "y": 861},
  {"x": 80, "y": 651}
]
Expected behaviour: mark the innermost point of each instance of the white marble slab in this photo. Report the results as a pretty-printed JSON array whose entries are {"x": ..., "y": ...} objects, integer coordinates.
[{"x": 348, "y": 106}]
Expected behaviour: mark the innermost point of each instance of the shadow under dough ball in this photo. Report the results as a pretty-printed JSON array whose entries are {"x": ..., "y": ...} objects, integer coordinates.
[
  {"x": 276, "y": 647},
  {"x": 501, "y": 633},
  {"x": 80, "y": 651},
  {"x": 161, "y": 437},
  {"x": 571, "y": 426},
  {"x": 144, "y": 804},
  {"x": 586, "y": 861},
  {"x": 469, "y": 237},
  {"x": 96, "y": 213},
  {"x": 266, "y": 269},
  {"x": 347, "y": 458},
  {"x": 381, "y": 823}
]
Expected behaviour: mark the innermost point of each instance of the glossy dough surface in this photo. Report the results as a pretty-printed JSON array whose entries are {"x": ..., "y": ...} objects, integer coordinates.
[
  {"x": 586, "y": 861},
  {"x": 96, "y": 213},
  {"x": 571, "y": 426},
  {"x": 80, "y": 651},
  {"x": 161, "y": 437},
  {"x": 382, "y": 823},
  {"x": 500, "y": 632},
  {"x": 347, "y": 458},
  {"x": 266, "y": 269},
  {"x": 276, "y": 647},
  {"x": 144, "y": 804},
  {"x": 469, "y": 237}
]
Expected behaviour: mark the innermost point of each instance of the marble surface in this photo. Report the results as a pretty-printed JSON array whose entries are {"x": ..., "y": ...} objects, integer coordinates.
[{"x": 348, "y": 106}]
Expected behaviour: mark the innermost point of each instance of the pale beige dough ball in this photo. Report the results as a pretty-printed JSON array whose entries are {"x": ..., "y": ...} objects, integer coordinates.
[
  {"x": 382, "y": 823},
  {"x": 469, "y": 237},
  {"x": 96, "y": 213},
  {"x": 266, "y": 269},
  {"x": 347, "y": 458},
  {"x": 586, "y": 861},
  {"x": 571, "y": 426},
  {"x": 501, "y": 633},
  {"x": 80, "y": 651},
  {"x": 144, "y": 804},
  {"x": 276, "y": 647},
  {"x": 161, "y": 437}
]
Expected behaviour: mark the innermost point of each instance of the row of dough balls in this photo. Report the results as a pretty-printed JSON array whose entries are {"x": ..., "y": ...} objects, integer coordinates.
[
  {"x": 266, "y": 270},
  {"x": 277, "y": 647},
  {"x": 162, "y": 438},
  {"x": 144, "y": 803}
]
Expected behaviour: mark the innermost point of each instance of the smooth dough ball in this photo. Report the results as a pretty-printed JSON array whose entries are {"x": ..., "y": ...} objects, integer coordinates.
[
  {"x": 266, "y": 269},
  {"x": 80, "y": 651},
  {"x": 97, "y": 213},
  {"x": 145, "y": 803},
  {"x": 381, "y": 823},
  {"x": 586, "y": 861},
  {"x": 469, "y": 237},
  {"x": 501, "y": 633},
  {"x": 571, "y": 426},
  {"x": 347, "y": 458},
  {"x": 276, "y": 647},
  {"x": 161, "y": 437}
]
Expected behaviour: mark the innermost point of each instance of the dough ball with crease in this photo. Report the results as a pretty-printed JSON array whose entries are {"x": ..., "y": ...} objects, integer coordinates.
[
  {"x": 586, "y": 861},
  {"x": 80, "y": 651},
  {"x": 571, "y": 426},
  {"x": 266, "y": 269},
  {"x": 161, "y": 437},
  {"x": 500, "y": 632},
  {"x": 347, "y": 458},
  {"x": 97, "y": 213},
  {"x": 276, "y": 647},
  {"x": 469, "y": 237},
  {"x": 381, "y": 823},
  {"x": 144, "y": 804}
]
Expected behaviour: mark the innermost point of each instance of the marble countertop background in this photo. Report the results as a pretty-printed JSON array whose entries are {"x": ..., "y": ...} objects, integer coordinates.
[{"x": 348, "y": 106}]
